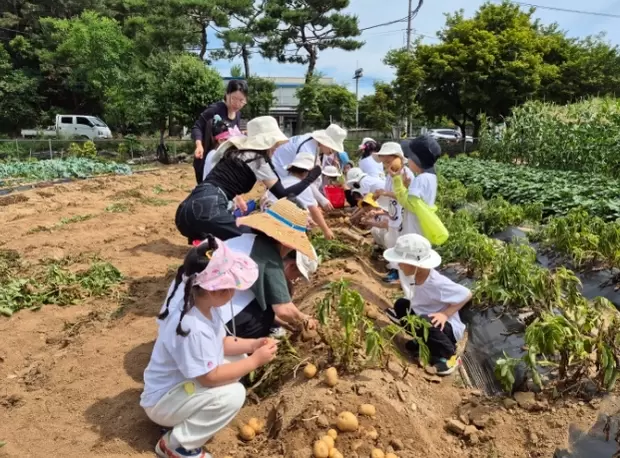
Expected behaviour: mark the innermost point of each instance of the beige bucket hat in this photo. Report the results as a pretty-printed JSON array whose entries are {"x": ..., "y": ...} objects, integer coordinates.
[
  {"x": 263, "y": 133},
  {"x": 333, "y": 137},
  {"x": 390, "y": 149},
  {"x": 285, "y": 222}
]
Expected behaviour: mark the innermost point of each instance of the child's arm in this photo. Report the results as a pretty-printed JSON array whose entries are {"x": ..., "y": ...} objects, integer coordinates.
[
  {"x": 238, "y": 346},
  {"x": 317, "y": 217},
  {"x": 382, "y": 192},
  {"x": 402, "y": 194},
  {"x": 439, "y": 319}
]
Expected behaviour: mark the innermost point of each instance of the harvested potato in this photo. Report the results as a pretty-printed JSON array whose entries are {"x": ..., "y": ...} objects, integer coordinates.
[
  {"x": 257, "y": 425},
  {"x": 310, "y": 370},
  {"x": 347, "y": 422},
  {"x": 372, "y": 434},
  {"x": 396, "y": 165},
  {"x": 390, "y": 455},
  {"x": 334, "y": 453},
  {"x": 320, "y": 450},
  {"x": 329, "y": 440},
  {"x": 377, "y": 453},
  {"x": 331, "y": 376},
  {"x": 368, "y": 410},
  {"x": 308, "y": 335},
  {"x": 247, "y": 433},
  {"x": 333, "y": 433}
]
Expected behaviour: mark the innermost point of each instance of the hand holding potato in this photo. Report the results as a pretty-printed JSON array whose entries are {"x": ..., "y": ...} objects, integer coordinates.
[{"x": 266, "y": 353}]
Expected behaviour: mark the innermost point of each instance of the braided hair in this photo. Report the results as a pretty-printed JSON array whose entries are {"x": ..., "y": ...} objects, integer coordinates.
[{"x": 195, "y": 262}]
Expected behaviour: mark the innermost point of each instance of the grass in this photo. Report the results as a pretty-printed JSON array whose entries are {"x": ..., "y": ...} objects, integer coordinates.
[
  {"x": 61, "y": 223},
  {"x": 119, "y": 207},
  {"x": 155, "y": 201},
  {"x": 136, "y": 194},
  {"x": 53, "y": 282}
]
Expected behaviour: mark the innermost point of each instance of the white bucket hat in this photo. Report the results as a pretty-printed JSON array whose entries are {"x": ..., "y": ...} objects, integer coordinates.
[
  {"x": 415, "y": 250},
  {"x": 355, "y": 175},
  {"x": 390, "y": 149},
  {"x": 366, "y": 140},
  {"x": 333, "y": 137},
  {"x": 303, "y": 161},
  {"x": 306, "y": 265},
  {"x": 331, "y": 171},
  {"x": 263, "y": 133}
]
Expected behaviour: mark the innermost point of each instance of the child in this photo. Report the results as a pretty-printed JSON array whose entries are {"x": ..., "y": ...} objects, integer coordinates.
[
  {"x": 331, "y": 176},
  {"x": 364, "y": 183},
  {"x": 431, "y": 296},
  {"x": 219, "y": 132},
  {"x": 370, "y": 215},
  {"x": 191, "y": 383},
  {"x": 390, "y": 152}
]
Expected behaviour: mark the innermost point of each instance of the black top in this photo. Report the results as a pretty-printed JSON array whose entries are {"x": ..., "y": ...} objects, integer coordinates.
[{"x": 217, "y": 108}]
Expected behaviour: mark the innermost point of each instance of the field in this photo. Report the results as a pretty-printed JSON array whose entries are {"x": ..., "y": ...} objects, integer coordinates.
[{"x": 72, "y": 375}]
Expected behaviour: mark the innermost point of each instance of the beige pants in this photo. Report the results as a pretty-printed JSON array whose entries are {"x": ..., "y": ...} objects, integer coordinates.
[
  {"x": 379, "y": 234},
  {"x": 196, "y": 413},
  {"x": 391, "y": 236}
]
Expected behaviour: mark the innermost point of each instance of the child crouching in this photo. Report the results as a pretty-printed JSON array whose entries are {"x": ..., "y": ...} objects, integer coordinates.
[
  {"x": 431, "y": 296},
  {"x": 192, "y": 381}
]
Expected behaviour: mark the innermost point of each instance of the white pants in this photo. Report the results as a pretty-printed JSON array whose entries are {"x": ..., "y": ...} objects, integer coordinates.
[
  {"x": 390, "y": 241},
  {"x": 379, "y": 234},
  {"x": 196, "y": 415}
]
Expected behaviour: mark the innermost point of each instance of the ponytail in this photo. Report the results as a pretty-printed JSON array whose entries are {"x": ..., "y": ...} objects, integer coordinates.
[
  {"x": 188, "y": 303},
  {"x": 178, "y": 279}
]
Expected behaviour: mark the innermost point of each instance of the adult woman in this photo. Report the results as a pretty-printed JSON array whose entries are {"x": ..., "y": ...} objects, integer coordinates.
[
  {"x": 238, "y": 164},
  {"x": 368, "y": 164},
  {"x": 229, "y": 111}
]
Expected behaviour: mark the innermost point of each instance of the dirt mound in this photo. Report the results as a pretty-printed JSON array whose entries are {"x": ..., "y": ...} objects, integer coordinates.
[{"x": 71, "y": 376}]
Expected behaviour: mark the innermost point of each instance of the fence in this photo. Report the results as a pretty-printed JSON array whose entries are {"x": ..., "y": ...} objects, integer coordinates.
[{"x": 119, "y": 149}]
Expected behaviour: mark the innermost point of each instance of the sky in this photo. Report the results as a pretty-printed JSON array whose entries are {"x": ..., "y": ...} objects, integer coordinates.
[{"x": 341, "y": 65}]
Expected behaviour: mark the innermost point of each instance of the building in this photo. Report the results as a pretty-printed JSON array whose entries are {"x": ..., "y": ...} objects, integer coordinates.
[{"x": 285, "y": 105}]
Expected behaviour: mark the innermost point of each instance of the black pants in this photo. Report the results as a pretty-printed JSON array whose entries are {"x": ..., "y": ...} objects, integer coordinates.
[
  {"x": 253, "y": 322},
  {"x": 199, "y": 167},
  {"x": 207, "y": 211},
  {"x": 441, "y": 344}
]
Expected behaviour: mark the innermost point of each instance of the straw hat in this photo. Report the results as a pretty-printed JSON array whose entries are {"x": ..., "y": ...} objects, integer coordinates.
[
  {"x": 285, "y": 222},
  {"x": 390, "y": 149},
  {"x": 415, "y": 250},
  {"x": 355, "y": 175},
  {"x": 331, "y": 171},
  {"x": 263, "y": 133},
  {"x": 332, "y": 137},
  {"x": 303, "y": 161}
]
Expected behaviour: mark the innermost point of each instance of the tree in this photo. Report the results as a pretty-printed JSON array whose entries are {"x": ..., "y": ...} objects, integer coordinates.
[
  {"x": 321, "y": 104},
  {"x": 309, "y": 26},
  {"x": 406, "y": 84},
  {"x": 379, "y": 110},
  {"x": 261, "y": 97},
  {"x": 483, "y": 65}
]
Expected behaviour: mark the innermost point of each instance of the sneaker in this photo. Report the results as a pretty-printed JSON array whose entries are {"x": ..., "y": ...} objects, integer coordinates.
[
  {"x": 447, "y": 366},
  {"x": 163, "y": 450},
  {"x": 391, "y": 277},
  {"x": 277, "y": 333}
]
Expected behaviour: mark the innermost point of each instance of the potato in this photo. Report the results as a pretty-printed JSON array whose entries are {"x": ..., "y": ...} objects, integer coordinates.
[
  {"x": 331, "y": 377},
  {"x": 310, "y": 370},
  {"x": 367, "y": 409},
  {"x": 257, "y": 425},
  {"x": 390, "y": 455},
  {"x": 320, "y": 450},
  {"x": 247, "y": 433},
  {"x": 334, "y": 453},
  {"x": 333, "y": 433},
  {"x": 377, "y": 453},
  {"x": 396, "y": 165},
  {"x": 329, "y": 440},
  {"x": 347, "y": 422},
  {"x": 372, "y": 434}
]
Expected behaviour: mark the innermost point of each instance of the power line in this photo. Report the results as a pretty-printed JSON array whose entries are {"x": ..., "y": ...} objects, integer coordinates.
[{"x": 566, "y": 10}]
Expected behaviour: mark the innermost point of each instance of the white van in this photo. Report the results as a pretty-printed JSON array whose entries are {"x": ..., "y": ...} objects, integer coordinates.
[{"x": 73, "y": 126}]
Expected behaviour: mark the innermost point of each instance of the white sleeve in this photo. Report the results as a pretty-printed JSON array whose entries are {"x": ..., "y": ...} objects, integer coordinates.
[
  {"x": 264, "y": 172},
  {"x": 451, "y": 292},
  {"x": 196, "y": 354},
  {"x": 307, "y": 198},
  {"x": 320, "y": 198}
]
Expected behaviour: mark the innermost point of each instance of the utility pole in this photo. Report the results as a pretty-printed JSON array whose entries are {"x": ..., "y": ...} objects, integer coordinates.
[
  {"x": 409, "y": 26},
  {"x": 358, "y": 74}
]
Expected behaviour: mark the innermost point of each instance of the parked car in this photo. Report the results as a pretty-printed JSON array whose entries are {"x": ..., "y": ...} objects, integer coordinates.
[
  {"x": 450, "y": 135},
  {"x": 73, "y": 126}
]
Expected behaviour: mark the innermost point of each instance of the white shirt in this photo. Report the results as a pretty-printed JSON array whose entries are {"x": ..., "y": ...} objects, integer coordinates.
[
  {"x": 285, "y": 154},
  {"x": 436, "y": 294},
  {"x": 176, "y": 358},
  {"x": 208, "y": 164},
  {"x": 262, "y": 170},
  {"x": 395, "y": 211},
  {"x": 370, "y": 184},
  {"x": 423, "y": 186},
  {"x": 371, "y": 167},
  {"x": 306, "y": 197}
]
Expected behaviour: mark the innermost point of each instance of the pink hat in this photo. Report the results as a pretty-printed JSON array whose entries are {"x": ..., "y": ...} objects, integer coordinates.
[{"x": 227, "y": 269}]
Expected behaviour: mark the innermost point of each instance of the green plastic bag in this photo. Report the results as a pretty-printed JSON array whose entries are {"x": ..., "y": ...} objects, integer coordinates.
[{"x": 432, "y": 227}]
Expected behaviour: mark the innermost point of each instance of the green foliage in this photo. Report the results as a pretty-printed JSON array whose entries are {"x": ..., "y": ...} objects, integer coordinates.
[
  {"x": 378, "y": 111},
  {"x": 557, "y": 191},
  {"x": 261, "y": 98},
  {"x": 497, "y": 215},
  {"x": 559, "y": 137},
  {"x": 87, "y": 150},
  {"x": 54, "y": 283},
  {"x": 407, "y": 82},
  {"x": 60, "y": 168},
  {"x": 329, "y": 249},
  {"x": 319, "y": 103}
]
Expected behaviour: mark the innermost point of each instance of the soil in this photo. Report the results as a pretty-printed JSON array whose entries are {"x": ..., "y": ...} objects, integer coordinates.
[{"x": 71, "y": 377}]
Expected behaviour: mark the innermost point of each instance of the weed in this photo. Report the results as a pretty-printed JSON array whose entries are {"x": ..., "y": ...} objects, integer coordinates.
[
  {"x": 134, "y": 193},
  {"x": 155, "y": 201},
  {"x": 74, "y": 219},
  {"x": 119, "y": 207},
  {"x": 329, "y": 249},
  {"x": 158, "y": 189}
]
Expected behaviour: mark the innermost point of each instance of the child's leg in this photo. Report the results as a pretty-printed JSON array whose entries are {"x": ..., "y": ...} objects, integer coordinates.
[
  {"x": 379, "y": 235},
  {"x": 196, "y": 413},
  {"x": 441, "y": 344}
]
